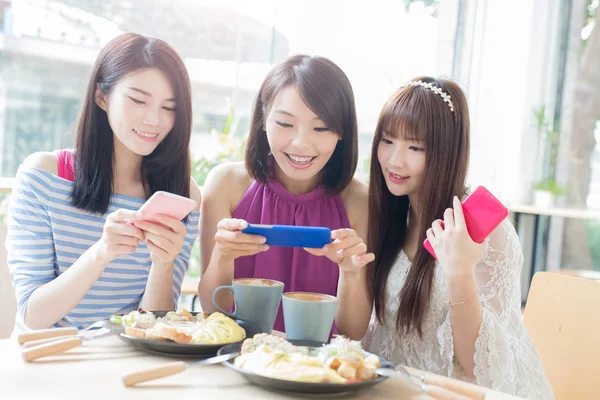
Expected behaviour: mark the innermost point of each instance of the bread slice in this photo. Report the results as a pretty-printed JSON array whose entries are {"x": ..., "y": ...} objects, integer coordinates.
[
  {"x": 136, "y": 332},
  {"x": 168, "y": 332}
]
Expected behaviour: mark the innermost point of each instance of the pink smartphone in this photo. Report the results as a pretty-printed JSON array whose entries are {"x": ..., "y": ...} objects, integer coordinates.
[
  {"x": 483, "y": 213},
  {"x": 170, "y": 204}
]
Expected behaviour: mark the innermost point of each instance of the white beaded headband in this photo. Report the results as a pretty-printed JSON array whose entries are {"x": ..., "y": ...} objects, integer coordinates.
[{"x": 434, "y": 89}]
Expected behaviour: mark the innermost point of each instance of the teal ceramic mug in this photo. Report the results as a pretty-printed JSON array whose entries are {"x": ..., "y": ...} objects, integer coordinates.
[
  {"x": 256, "y": 300},
  {"x": 308, "y": 316}
]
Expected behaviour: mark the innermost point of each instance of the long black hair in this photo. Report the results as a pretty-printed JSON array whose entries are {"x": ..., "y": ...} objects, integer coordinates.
[{"x": 168, "y": 167}]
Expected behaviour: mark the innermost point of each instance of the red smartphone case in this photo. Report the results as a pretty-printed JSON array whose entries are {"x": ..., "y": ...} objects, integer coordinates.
[{"x": 483, "y": 213}]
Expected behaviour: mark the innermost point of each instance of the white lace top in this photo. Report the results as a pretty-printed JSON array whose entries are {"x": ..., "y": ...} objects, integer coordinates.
[{"x": 505, "y": 357}]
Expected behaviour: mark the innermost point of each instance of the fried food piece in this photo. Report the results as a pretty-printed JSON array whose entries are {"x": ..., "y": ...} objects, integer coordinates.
[
  {"x": 347, "y": 370},
  {"x": 366, "y": 372},
  {"x": 182, "y": 315},
  {"x": 354, "y": 367},
  {"x": 273, "y": 342}
]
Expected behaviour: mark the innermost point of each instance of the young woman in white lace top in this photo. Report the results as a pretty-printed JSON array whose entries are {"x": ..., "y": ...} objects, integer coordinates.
[{"x": 461, "y": 316}]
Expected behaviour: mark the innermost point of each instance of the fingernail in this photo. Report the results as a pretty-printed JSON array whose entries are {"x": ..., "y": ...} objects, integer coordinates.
[
  {"x": 263, "y": 240},
  {"x": 265, "y": 247}
]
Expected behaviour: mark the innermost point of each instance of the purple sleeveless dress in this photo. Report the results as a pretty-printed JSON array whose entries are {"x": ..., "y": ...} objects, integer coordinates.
[{"x": 271, "y": 204}]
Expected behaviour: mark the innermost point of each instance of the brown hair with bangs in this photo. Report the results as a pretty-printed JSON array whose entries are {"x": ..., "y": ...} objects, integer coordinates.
[
  {"x": 416, "y": 113},
  {"x": 327, "y": 92}
]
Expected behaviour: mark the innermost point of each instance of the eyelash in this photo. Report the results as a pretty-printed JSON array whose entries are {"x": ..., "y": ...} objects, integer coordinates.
[
  {"x": 413, "y": 148},
  {"x": 136, "y": 101},
  {"x": 284, "y": 125}
]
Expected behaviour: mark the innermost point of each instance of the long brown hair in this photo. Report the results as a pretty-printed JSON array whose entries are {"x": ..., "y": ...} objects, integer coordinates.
[
  {"x": 168, "y": 167},
  {"x": 326, "y": 90},
  {"x": 416, "y": 113}
]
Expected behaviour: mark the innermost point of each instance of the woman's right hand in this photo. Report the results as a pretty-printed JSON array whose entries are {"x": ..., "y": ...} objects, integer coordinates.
[
  {"x": 119, "y": 236},
  {"x": 231, "y": 243}
]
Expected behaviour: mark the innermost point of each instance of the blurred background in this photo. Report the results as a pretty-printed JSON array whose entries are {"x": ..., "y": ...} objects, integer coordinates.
[{"x": 530, "y": 68}]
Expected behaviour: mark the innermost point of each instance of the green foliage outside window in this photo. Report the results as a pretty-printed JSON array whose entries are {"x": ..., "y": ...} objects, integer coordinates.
[{"x": 231, "y": 148}]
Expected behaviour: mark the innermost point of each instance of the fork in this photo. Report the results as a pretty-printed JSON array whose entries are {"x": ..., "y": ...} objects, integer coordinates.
[{"x": 35, "y": 338}]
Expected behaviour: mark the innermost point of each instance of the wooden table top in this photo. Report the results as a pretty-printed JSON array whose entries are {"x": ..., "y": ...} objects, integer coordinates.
[{"x": 95, "y": 370}]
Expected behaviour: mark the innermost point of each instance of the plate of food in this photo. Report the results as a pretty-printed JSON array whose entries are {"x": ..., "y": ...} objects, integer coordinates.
[
  {"x": 182, "y": 333},
  {"x": 305, "y": 367}
]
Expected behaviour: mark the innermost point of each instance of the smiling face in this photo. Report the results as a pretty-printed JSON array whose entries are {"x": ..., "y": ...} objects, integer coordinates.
[
  {"x": 140, "y": 109},
  {"x": 299, "y": 140},
  {"x": 402, "y": 164}
]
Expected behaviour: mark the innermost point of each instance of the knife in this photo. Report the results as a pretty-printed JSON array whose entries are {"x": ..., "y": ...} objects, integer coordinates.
[
  {"x": 46, "y": 333},
  {"x": 60, "y": 346},
  {"x": 55, "y": 333},
  {"x": 438, "y": 387}
]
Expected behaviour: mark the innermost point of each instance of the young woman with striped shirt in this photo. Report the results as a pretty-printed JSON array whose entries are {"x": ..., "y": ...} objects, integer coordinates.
[{"x": 78, "y": 250}]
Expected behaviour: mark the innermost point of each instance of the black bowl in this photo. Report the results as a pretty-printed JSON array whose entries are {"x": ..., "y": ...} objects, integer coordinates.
[
  {"x": 300, "y": 387},
  {"x": 169, "y": 348}
]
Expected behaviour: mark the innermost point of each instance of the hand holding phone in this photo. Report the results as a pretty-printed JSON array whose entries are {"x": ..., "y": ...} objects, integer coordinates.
[
  {"x": 291, "y": 235},
  {"x": 164, "y": 236},
  {"x": 348, "y": 251},
  {"x": 231, "y": 242},
  {"x": 119, "y": 236},
  {"x": 483, "y": 212}
]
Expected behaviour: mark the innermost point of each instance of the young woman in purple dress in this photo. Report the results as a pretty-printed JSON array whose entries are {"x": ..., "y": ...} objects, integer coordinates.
[{"x": 300, "y": 160}]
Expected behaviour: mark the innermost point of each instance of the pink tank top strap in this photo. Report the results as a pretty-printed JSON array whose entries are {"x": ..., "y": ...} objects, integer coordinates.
[{"x": 65, "y": 162}]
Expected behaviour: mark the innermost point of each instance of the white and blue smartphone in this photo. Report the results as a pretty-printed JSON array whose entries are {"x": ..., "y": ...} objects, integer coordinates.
[{"x": 292, "y": 236}]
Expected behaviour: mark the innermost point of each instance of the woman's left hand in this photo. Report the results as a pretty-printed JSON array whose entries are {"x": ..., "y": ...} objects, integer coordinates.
[
  {"x": 164, "y": 241},
  {"x": 347, "y": 250},
  {"x": 457, "y": 253}
]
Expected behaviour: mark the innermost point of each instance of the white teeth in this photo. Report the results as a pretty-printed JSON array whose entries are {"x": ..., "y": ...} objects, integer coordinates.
[
  {"x": 398, "y": 176},
  {"x": 300, "y": 160},
  {"x": 147, "y": 135}
]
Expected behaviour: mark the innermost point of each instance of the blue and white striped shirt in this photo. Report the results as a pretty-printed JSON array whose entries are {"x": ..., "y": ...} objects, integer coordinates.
[{"x": 46, "y": 235}]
